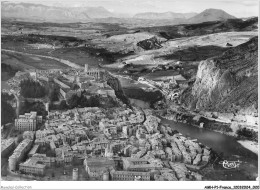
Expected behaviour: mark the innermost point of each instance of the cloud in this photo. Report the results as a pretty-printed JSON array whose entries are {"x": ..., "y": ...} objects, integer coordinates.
[
  {"x": 240, "y": 2},
  {"x": 250, "y": 3}
]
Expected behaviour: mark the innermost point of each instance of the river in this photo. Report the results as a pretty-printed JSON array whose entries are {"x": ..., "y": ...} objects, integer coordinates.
[{"x": 227, "y": 145}]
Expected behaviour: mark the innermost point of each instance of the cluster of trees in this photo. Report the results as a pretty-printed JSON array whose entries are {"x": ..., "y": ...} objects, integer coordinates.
[
  {"x": 32, "y": 89},
  {"x": 7, "y": 71},
  {"x": 7, "y": 97},
  {"x": 77, "y": 101},
  {"x": 83, "y": 101},
  {"x": 53, "y": 93},
  {"x": 39, "y": 107},
  {"x": 108, "y": 102},
  {"x": 7, "y": 113},
  {"x": 46, "y": 149},
  {"x": 249, "y": 134}
]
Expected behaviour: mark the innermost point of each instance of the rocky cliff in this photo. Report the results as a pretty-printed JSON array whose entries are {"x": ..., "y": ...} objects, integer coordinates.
[
  {"x": 114, "y": 83},
  {"x": 227, "y": 83}
]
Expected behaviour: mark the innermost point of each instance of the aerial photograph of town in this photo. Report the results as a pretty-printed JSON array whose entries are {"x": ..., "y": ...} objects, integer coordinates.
[{"x": 117, "y": 90}]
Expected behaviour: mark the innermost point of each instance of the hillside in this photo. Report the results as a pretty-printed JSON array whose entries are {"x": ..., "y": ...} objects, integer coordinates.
[
  {"x": 185, "y": 30},
  {"x": 210, "y": 15},
  {"x": 227, "y": 83}
]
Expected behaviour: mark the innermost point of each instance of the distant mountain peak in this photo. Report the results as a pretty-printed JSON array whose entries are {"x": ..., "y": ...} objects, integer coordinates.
[{"x": 211, "y": 15}]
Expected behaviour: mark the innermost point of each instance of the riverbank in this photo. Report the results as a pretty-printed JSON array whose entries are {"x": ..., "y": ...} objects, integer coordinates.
[
  {"x": 224, "y": 145},
  {"x": 250, "y": 145},
  {"x": 245, "y": 136}
]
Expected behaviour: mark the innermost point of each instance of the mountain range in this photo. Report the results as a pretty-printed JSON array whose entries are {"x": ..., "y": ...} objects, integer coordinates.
[
  {"x": 38, "y": 12},
  {"x": 166, "y": 15},
  {"x": 43, "y": 13}
]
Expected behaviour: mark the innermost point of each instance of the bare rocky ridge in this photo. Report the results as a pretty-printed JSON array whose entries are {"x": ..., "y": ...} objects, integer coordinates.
[{"x": 227, "y": 83}]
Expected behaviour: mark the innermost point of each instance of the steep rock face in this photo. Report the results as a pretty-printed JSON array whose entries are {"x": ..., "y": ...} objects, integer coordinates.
[
  {"x": 227, "y": 83},
  {"x": 114, "y": 83}
]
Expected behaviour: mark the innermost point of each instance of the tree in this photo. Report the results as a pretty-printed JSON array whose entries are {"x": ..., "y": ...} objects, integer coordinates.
[
  {"x": 63, "y": 105},
  {"x": 54, "y": 94},
  {"x": 6, "y": 97},
  {"x": 83, "y": 101},
  {"x": 73, "y": 101},
  {"x": 32, "y": 89},
  {"x": 94, "y": 101},
  {"x": 75, "y": 87},
  {"x": 7, "y": 113},
  {"x": 39, "y": 107}
]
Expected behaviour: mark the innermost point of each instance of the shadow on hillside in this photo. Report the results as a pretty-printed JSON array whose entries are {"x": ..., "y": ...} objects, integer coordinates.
[{"x": 196, "y": 53}]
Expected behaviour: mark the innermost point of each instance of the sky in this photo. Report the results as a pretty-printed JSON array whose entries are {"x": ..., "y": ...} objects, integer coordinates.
[{"x": 238, "y": 8}]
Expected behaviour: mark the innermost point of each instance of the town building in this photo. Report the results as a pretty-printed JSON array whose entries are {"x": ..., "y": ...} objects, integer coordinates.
[
  {"x": 28, "y": 135},
  {"x": 106, "y": 91},
  {"x": 111, "y": 130},
  {"x": 44, "y": 133},
  {"x": 118, "y": 146},
  {"x": 139, "y": 164},
  {"x": 28, "y": 122},
  {"x": 129, "y": 176},
  {"x": 32, "y": 166},
  {"x": 96, "y": 167},
  {"x": 99, "y": 142},
  {"x": 19, "y": 153},
  {"x": 34, "y": 150},
  {"x": 7, "y": 146},
  {"x": 68, "y": 93},
  {"x": 48, "y": 161},
  {"x": 61, "y": 84},
  {"x": 83, "y": 80},
  {"x": 94, "y": 72}
]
